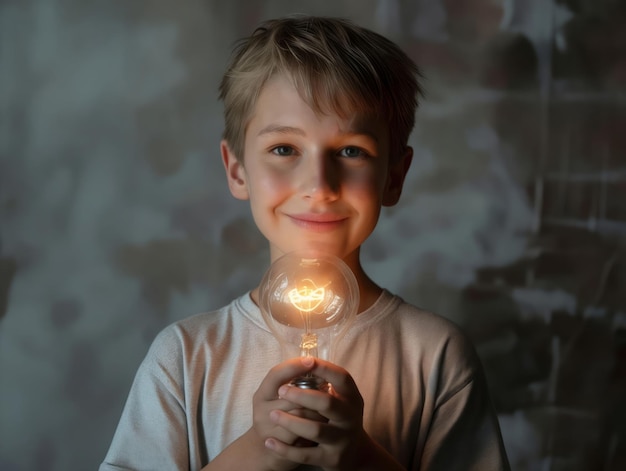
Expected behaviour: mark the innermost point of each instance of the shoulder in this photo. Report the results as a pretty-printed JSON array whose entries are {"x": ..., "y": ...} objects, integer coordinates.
[
  {"x": 418, "y": 324},
  {"x": 182, "y": 340},
  {"x": 436, "y": 340}
]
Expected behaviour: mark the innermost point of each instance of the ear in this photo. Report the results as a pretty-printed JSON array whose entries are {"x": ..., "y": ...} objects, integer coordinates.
[
  {"x": 395, "y": 178},
  {"x": 235, "y": 173}
]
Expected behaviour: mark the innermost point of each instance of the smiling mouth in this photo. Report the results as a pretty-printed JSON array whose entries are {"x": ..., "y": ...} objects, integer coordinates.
[{"x": 318, "y": 222}]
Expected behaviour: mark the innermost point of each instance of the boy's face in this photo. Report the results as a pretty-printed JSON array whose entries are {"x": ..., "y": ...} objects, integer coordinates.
[{"x": 313, "y": 181}]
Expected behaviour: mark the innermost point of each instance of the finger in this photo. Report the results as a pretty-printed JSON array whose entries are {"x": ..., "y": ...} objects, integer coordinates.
[
  {"x": 312, "y": 430},
  {"x": 281, "y": 374},
  {"x": 284, "y": 435},
  {"x": 334, "y": 407},
  {"x": 311, "y": 455},
  {"x": 341, "y": 381},
  {"x": 308, "y": 414},
  {"x": 261, "y": 416},
  {"x": 297, "y": 454},
  {"x": 279, "y": 404},
  {"x": 308, "y": 399},
  {"x": 267, "y": 427}
]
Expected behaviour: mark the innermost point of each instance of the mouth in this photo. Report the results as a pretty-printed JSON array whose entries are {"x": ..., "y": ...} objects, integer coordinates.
[{"x": 317, "y": 222}]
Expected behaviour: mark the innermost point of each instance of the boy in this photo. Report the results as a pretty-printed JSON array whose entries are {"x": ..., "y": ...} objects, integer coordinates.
[{"x": 318, "y": 113}]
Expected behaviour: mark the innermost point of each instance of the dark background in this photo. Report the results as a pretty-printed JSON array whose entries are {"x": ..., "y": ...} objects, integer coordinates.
[{"x": 115, "y": 219}]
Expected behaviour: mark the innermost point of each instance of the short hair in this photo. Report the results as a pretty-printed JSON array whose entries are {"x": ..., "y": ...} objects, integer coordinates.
[{"x": 335, "y": 65}]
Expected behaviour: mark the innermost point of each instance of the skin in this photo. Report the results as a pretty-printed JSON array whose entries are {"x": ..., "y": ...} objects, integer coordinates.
[{"x": 313, "y": 181}]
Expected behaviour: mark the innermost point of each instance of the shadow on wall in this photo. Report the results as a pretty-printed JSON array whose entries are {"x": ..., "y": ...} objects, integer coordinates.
[
  {"x": 8, "y": 268},
  {"x": 555, "y": 349},
  {"x": 550, "y": 323}
]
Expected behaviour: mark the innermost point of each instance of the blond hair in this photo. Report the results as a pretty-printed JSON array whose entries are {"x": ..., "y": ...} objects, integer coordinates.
[{"x": 335, "y": 65}]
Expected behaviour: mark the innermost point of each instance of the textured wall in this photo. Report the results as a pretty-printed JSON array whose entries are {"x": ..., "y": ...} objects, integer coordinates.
[{"x": 115, "y": 218}]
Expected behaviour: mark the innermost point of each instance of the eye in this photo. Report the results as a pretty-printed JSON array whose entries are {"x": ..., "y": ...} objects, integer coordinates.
[
  {"x": 283, "y": 151},
  {"x": 352, "y": 152}
]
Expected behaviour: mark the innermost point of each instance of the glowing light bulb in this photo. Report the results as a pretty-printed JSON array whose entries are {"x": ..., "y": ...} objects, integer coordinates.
[{"x": 308, "y": 301}]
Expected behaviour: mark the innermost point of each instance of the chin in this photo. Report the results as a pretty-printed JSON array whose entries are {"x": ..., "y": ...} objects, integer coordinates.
[
  {"x": 313, "y": 246},
  {"x": 328, "y": 248}
]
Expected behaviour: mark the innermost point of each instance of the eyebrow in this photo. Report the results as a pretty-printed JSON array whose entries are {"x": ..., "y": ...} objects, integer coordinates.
[{"x": 279, "y": 129}]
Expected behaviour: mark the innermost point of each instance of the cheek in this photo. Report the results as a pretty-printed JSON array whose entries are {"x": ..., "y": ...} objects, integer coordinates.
[
  {"x": 269, "y": 185},
  {"x": 366, "y": 185}
]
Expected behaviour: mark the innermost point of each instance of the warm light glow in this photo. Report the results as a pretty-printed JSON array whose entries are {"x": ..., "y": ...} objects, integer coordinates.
[
  {"x": 309, "y": 300},
  {"x": 307, "y": 297}
]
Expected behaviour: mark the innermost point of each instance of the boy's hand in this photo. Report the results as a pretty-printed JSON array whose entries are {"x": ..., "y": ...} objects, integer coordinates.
[
  {"x": 266, "y": 401},
  {"x": 341, "y": 438}
]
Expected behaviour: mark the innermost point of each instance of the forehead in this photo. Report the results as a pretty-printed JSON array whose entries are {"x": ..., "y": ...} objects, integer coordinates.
[{"x": 281, "y": 105}]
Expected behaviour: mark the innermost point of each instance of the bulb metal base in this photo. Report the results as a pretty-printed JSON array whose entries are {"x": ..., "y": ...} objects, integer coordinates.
[{"x": 310, "y": 382}]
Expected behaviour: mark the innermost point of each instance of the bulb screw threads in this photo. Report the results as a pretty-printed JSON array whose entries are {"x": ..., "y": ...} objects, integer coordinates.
[{"x": 310, "y": 382}]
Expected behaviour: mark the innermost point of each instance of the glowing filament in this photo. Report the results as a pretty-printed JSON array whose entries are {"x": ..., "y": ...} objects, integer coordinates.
[{"x": 307, "y": 298}]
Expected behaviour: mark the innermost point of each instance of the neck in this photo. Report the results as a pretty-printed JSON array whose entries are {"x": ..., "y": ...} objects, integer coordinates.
[{"x": 369, "y": 291}]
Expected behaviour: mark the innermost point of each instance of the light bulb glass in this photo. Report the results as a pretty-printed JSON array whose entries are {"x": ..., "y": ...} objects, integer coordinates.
[{"x": 308, "y": 300}]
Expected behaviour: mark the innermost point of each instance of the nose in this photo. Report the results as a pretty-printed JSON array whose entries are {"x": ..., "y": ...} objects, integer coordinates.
[{"x": 320, "y": 179}]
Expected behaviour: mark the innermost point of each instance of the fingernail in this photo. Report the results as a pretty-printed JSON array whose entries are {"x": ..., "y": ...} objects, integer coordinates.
[
  {"x": 269, "y": 443},
  {"x": 308, "y": 361},
  {"x": 283, "y": 390}
]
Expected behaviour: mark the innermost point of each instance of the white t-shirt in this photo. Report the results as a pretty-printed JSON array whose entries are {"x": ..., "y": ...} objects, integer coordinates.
[{"x": 425, "y": 396}]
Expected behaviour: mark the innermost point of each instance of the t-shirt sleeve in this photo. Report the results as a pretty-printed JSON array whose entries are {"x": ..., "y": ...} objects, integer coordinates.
[
  {"x": 152, "y": 432},
  {"x": 464, "y": 433}
]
